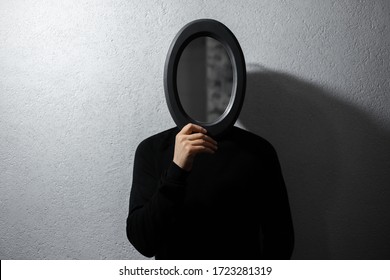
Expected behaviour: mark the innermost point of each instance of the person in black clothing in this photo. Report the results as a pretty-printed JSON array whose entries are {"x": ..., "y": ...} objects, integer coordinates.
[{"x": 194, "y": 197}]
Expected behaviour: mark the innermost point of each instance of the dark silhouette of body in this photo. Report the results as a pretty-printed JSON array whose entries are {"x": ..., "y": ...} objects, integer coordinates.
[{"x": 233, "y": 204}]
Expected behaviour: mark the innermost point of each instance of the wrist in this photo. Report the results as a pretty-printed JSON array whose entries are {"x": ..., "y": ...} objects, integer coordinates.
[
  {"x": 175, "y": 172},
  {"x": 182, "y": 164}
]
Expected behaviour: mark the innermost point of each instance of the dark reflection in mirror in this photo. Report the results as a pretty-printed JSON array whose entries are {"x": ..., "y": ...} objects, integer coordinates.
[{"x": 204, "y": 79}]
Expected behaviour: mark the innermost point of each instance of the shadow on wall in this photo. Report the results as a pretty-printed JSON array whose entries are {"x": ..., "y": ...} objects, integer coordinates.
[{"x": 335, "y": 162}]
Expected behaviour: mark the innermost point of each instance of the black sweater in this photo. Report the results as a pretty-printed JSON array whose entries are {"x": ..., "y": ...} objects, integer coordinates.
[{"x": 232, "y": 205}]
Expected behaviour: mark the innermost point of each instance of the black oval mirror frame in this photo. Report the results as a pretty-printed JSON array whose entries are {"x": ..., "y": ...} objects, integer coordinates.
[{"x": 218, "y": 31}]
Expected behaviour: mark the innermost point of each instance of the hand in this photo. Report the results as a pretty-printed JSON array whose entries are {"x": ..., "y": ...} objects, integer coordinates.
[{"x": 190, "y": 141}]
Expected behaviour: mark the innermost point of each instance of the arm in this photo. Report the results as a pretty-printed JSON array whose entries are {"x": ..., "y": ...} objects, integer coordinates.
[
  {"x": 154, "y": 199},
  {"x": 278, "y": 227},
  {"x": 152, "y": 203}
]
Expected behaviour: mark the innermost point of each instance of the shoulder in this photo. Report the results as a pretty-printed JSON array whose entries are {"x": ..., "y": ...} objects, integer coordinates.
[
  {"x": 244, "y": 136},
  {"x": 257, "y": 147},
  {"x": 158, "y": 142}
]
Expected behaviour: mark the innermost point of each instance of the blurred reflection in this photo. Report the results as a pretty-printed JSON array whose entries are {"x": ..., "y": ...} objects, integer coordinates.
[{"x": 204, "y": 79}]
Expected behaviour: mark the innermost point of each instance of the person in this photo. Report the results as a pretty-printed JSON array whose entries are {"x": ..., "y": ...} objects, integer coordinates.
[{"x": 195, "y": 197}]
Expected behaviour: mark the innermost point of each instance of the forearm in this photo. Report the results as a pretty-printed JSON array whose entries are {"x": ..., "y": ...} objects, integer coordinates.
[{"x": 149, "y": 219}]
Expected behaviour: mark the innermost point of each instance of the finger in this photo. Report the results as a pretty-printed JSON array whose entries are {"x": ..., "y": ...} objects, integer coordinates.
[
  {"x": 196, "y": 136},
  {"x": 201, "y": 149},
  {"x": 202, "y": 142},
  {"x": 190, "y": 128},
  {"x": 211, "y": 140}
]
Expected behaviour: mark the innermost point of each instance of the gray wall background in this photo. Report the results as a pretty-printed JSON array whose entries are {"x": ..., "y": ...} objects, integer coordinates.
[{"x": 81, "y": 85}]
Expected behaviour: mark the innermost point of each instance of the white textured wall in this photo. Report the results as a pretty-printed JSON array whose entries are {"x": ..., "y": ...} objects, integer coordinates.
[{"x": 81, "y": 85}]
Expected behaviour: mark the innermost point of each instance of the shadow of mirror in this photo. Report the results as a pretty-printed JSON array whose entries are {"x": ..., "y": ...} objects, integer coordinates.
[{"x": 335, "y": 161}]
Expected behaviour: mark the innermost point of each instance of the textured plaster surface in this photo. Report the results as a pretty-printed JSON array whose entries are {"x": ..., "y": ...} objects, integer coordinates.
[{"x": 81, "y": 85}]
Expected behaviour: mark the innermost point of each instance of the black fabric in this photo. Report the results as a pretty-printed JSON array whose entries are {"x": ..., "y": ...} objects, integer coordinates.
[{"x": 232, "y": 205}]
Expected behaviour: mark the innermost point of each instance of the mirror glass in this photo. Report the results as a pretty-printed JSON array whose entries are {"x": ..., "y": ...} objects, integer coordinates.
[{"x": 204, "y": 79}]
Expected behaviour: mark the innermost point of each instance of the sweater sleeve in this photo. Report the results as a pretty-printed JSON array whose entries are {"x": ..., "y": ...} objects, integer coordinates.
[
  {"x": 278, "y": 230},
  {"x": 153, "y": 201}
]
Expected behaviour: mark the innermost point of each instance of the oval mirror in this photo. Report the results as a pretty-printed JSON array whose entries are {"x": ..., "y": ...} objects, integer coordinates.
[
  {"x": 205, "y": 76},
  {"x": 204, "y": 79}
]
